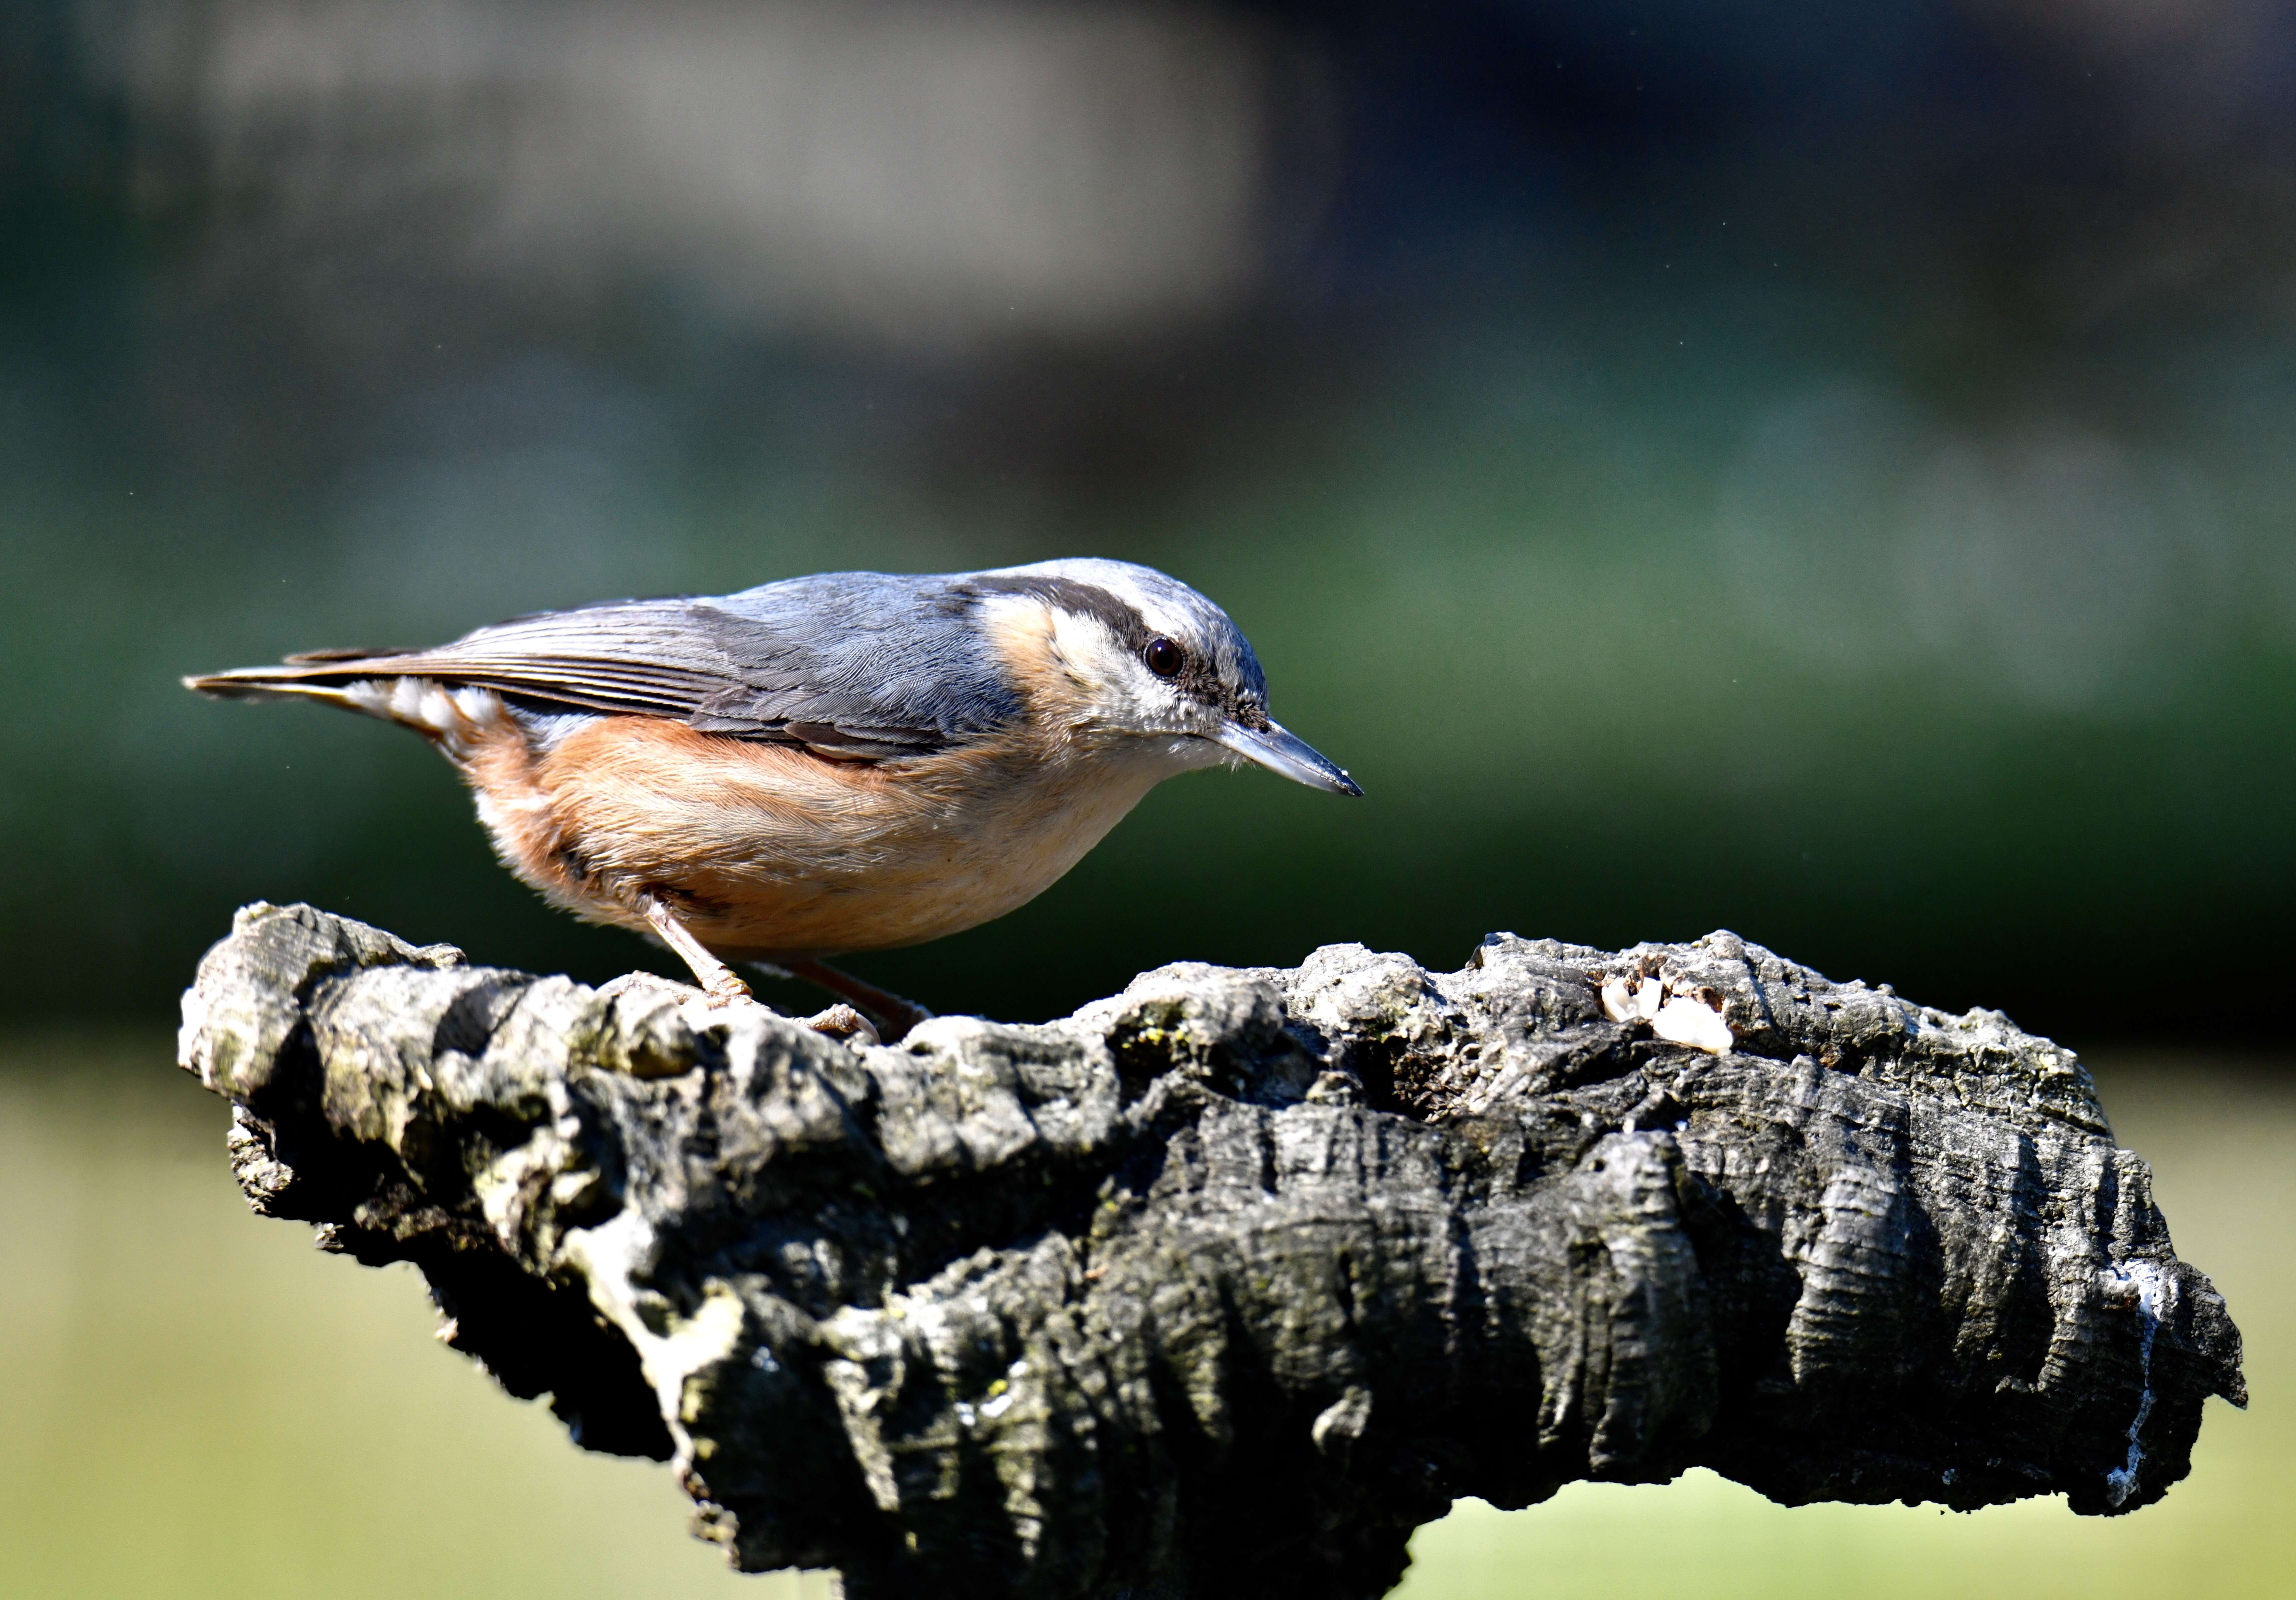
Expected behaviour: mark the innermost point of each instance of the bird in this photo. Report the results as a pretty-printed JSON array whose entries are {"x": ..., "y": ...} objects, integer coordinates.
[{"x": 842, "y": 762}]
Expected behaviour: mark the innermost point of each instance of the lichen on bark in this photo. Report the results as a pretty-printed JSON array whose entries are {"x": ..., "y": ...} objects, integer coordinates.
[{"x": 1224, "y": 1285}]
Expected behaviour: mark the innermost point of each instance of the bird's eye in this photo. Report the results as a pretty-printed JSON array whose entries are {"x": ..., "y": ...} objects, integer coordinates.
[{"x": 1164, "y": 658}]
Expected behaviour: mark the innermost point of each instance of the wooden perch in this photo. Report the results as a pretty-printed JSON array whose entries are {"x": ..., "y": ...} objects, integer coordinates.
[{"x": 1223, "y": 1285}]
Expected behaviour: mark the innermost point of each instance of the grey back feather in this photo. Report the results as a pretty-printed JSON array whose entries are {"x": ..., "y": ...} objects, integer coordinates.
[
  {"x": 863, "y": 664},
  {"x": 866, "y": 665}
]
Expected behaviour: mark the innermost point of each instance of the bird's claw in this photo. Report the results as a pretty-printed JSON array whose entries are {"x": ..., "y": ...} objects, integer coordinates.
[
  {"x": 727, "y": 989},
  {"x": 841, "y": 1022}
]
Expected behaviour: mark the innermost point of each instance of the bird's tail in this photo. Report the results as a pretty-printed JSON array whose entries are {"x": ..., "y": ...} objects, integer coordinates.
[
  {"x": 329, "y": 676},
  {"x": 374, "y": 684}
]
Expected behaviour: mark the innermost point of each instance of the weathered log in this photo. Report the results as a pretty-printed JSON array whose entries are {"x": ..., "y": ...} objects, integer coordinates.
[{"x": 1224, "y": 1285}]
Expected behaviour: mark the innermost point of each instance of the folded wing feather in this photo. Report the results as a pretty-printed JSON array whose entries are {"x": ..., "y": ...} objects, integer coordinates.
[{"x": 868, "y": 667}]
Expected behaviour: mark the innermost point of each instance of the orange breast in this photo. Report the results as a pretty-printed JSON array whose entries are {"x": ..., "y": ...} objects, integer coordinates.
[{"x": 767, "y": 848}]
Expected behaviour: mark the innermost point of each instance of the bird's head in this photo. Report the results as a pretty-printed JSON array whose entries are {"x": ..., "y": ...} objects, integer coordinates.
[{"x": 1143, "y": 659}]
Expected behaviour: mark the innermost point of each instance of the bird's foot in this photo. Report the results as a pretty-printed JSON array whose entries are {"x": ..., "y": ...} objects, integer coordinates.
[
  {"x": 720, "y": 985},
  {"x": 841, "y": 1022},
  {"x": 894, "y": 1015},
  {"x": 723, "y": 989}
]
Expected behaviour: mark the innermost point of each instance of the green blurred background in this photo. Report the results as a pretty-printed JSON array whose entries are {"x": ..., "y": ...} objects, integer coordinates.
[{"x": 1830, "y": 474}]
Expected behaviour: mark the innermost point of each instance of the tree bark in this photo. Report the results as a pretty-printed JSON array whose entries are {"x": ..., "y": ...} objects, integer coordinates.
[{"x": 1224, "y": 1285}]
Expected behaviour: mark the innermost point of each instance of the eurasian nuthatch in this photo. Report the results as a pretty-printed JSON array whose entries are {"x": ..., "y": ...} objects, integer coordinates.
[{"x": 852, "y": 761}]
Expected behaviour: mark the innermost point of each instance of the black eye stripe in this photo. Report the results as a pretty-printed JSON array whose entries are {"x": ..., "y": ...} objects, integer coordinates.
[
  {"x": 1196, "y": 677},
  {"x": 1082, "y": 599}
]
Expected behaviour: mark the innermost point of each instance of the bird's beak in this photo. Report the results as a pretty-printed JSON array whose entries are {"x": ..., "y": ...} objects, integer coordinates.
[{"x": 1281, "y": 751}]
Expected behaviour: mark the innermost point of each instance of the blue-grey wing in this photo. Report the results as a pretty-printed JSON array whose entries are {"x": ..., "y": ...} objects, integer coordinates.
[{"x": 862, "y": 664}]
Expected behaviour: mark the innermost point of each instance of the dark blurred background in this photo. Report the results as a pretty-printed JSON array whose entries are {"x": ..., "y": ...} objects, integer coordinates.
[
  {"x": 1828, "y": 472},
  {"x": 1824, "y": 471}
]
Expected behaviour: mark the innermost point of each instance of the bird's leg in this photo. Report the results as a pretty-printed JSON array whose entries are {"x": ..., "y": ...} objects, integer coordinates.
[
  {"x": 723, "y": 987},
  {"x": 894, "y": 1015},
  {"x": 718, "y": 981}
]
